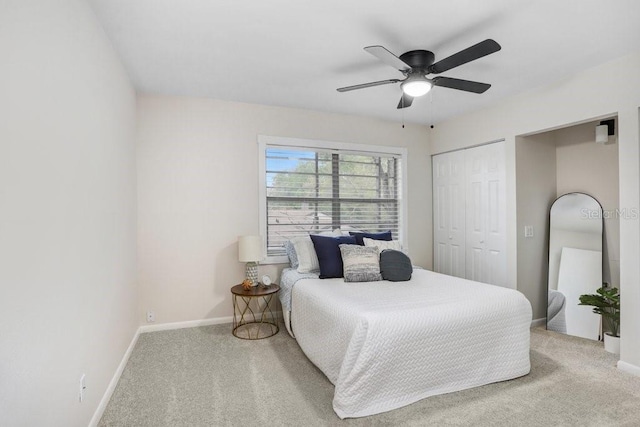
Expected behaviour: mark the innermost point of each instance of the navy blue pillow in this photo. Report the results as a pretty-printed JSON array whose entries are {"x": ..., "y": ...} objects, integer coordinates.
[
  {"x": 385, "y": 235},
  {"x": 329, "y": 256}
]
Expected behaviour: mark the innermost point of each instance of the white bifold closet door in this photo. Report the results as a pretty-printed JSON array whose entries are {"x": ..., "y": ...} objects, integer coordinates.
[
  {"x": 449, "y": 213},
  {"x": 470, "y": 214}
]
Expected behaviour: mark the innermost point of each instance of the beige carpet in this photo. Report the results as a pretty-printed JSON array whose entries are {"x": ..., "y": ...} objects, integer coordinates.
[{"x": 206, "y": 377}]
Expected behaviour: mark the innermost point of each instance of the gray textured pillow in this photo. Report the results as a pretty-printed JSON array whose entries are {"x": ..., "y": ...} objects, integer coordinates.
[
  {"x": 360, "y": 263},
  {"x": 291, "y": 253},
  {"x": 395, "y": 266}
]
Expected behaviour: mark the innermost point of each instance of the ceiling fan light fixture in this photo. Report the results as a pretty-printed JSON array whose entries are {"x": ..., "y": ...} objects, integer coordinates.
[
  {"x": 415, "y": 87},
  {"x": 416, "y": 65}
]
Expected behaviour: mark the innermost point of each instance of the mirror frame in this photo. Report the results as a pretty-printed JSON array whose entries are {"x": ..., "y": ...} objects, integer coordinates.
[{"x": 549, "y": 244}]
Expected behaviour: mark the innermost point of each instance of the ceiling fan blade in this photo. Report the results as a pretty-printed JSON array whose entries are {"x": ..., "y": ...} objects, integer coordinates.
[
  {"x": 387, "y": 57},
  {"x": 365, "y": 85},
  {"x": 405, "y": 101},
  {"x": 472, "y": 53},
  {"x": 466, "y": 85}
]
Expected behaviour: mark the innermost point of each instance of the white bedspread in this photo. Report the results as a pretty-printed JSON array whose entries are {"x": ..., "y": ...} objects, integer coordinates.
[{"x": 385, "y": 345}]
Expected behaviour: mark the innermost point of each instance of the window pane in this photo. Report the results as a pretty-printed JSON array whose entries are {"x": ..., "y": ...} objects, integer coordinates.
[
  {"x": 310, "y": 192},
  {"x": 370, "y": 216},
  {"x": 359, "y": 187}
]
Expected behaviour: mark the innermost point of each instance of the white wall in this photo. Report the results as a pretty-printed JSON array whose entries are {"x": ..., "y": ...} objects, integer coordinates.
[
  {"x": 551, "y": 164},
  {"x": 67, "y": 212},
  {"x": 198, "y": 191},
  {"x": 586, "y": 167},
  {"x": 581, "y": 98},
  {"x": 536, "y": 191}
]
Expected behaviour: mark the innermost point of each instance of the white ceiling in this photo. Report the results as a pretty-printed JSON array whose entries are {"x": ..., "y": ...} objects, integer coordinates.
[{"x": 295, "y": 53}]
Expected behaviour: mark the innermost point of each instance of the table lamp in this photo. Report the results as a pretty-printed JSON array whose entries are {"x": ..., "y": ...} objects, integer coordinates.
[{"x": 250, "y": 251}]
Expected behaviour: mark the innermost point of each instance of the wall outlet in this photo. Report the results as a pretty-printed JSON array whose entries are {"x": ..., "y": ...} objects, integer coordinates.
[
  {"x": 83, "y": 387},
  {"x": 151, "y": 316}
]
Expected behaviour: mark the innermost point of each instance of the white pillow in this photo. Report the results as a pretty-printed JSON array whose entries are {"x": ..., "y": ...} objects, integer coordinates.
[
  {"x": 383, "y": 244},
  {"x": 307, "y": 258}
]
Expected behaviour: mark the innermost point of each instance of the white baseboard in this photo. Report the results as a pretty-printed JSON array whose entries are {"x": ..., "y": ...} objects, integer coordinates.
[
  {"x": 629, "y": 368},
  {"x": 185, "y": 324},
  {"x": 539, "y": 322},
  {"x": 114, "y": 382}
]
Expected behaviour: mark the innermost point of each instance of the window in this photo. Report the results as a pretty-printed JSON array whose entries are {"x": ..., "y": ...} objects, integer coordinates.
[{"x": 308, "y": 189}]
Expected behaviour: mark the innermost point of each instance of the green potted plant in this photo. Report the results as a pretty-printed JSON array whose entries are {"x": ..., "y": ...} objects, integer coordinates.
[{"x": 606, "y": 302}]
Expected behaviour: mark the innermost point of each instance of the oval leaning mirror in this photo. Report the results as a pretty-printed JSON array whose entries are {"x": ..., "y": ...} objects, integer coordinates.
[{"x": 575, "y": 264}]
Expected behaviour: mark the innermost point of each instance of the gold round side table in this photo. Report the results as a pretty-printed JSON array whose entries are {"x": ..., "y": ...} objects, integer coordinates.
[{"x": 255, "y": 321}]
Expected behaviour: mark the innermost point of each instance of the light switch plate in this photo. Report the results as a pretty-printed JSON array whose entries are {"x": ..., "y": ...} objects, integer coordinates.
[{"x": 528, "y": 231}]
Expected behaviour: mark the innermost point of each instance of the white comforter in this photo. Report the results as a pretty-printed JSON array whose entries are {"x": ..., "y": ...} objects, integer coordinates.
[{"x": 388, "y": 344}]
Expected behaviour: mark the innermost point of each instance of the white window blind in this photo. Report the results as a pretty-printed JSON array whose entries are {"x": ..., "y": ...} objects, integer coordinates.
[{"x": 310, "y": 190}]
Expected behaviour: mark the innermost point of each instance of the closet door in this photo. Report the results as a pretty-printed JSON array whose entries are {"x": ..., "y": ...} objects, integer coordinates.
[
  {"x": 486, "y": 259},
  {"x": 449, "y": 213}
]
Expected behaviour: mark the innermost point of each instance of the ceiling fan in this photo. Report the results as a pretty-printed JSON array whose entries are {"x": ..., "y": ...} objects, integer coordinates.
[{"x": 417, "y": 64}]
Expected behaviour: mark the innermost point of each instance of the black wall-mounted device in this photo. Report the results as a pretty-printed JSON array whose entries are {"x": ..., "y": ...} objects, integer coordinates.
[{"x": 611, "y": 124}]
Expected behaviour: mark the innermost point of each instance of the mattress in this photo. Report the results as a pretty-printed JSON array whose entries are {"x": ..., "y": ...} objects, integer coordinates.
[
  {"x": 288, "y": 279},
  {"x": 385, "y": 345}
]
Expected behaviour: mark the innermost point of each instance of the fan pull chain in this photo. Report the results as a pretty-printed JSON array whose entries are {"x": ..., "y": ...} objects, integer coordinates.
[{"x": 431, "y": 109}]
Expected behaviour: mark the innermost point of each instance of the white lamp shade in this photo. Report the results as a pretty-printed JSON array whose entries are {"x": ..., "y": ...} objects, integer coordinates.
[
  {"x": 249, "y": 248},
  {"x": 602, "y": 134}
]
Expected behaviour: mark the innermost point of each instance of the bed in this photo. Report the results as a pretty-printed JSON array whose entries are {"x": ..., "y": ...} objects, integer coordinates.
[{"x": 385, "y": 344}]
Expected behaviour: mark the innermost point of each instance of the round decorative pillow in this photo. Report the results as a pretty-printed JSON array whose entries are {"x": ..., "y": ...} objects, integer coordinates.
[{"x": 395, "y": 266}]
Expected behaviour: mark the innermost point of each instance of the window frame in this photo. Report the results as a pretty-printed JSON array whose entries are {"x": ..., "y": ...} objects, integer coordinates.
[{"x": 265, "y": 142}]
